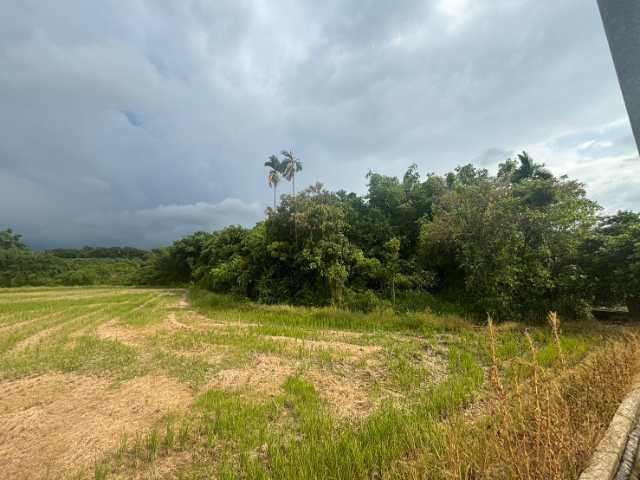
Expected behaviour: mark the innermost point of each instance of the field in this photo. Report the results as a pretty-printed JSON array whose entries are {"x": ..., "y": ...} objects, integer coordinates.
[{"x": 149, "y": 383}]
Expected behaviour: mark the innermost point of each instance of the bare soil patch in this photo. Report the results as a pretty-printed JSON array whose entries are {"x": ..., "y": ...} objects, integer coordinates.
[
  {"x": 113, "y": 330},
  {"x": 71, "y": 420},
  {"x": 357, "y": 351},
  {"x": 266, "y": 374},
  {"x": 173, "y": 324},
  {"x": 126, "y": 334},
  {"x": 436, "y": 362},
  {"x": 349, "y": 397}
]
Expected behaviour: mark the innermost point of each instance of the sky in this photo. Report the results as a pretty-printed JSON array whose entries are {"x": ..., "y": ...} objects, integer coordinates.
[{"x": 137, "y": 122}]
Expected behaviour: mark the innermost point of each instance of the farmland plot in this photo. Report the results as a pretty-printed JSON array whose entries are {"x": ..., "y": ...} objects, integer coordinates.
[{"x": 152, "y": 383}]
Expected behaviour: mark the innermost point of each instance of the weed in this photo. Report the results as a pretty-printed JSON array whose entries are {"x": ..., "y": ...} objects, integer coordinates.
[
  {"x": 152, "y": 443},
  {"x": 100, "y": 470},
  {"x": 169, "y": 438},
  {"x": 80, "y": 475},
  {"x": 183, "y": 433},
  {"x": 121, "y": 451},
  {"x": 137, "y": 446}
]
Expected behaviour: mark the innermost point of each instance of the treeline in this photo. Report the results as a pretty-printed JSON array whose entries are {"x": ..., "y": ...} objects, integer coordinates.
[
  {"x": 520, "y": 243},
  {"x": 128, "y": 253},
  {"x": 20, "y": 266},
  {"x": 516, "y": 244}
]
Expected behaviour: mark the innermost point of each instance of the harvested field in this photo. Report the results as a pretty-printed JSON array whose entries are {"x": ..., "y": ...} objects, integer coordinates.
[
  {"x": 147, "y": 383},
  {"x": 61, "y": 422}
]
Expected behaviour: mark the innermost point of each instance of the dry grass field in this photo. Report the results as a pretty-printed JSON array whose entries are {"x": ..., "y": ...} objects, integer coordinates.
[{"x": 146, "y": 383}]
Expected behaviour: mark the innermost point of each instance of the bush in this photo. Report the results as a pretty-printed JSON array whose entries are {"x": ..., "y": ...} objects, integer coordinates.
[{"x": 366, "y": 302}]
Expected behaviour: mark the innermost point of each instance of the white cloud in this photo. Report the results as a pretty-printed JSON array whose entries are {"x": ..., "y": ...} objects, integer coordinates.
[{"x": 607, "y": 163}]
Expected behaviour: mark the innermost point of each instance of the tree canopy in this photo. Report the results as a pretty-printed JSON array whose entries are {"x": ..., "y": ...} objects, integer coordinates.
[{"x": 516, "y": 244}]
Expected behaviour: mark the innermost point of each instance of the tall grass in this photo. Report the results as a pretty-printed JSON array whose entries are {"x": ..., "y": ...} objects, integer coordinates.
[
  {"x": 540, "y": 423},
  {"x": 225, "y": 307}
]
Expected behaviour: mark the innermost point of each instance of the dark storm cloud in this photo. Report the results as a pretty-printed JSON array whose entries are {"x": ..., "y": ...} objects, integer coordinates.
[
  {"x": 492, "y": 156},
  {"x": 139, "y": 122}
]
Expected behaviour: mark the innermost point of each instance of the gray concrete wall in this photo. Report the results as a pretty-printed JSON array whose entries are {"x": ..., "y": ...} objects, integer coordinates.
[{"x": 621, "y": 20}]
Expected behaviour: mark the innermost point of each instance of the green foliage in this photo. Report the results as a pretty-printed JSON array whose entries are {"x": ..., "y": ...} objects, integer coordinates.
[
  {"x": 19, "y": 267},
  {"x": 128, "y": 253},
  {"x": 9, "y": 240},
  {"x": 290, "y": 166},
  {"x": 366, "y": 302},
  {"x": 185, "y": 254},
  {"x": 515, "y": 247},
  {"x": 615, "y": 260},
  {"x": 305, "y": 255}
]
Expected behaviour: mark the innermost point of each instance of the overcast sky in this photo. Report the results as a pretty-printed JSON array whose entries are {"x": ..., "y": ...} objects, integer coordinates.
[{"x": 137, "y": 122}]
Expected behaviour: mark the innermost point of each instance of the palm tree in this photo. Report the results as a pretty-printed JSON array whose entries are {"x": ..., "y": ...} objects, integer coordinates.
[
  {"x": 529, "y": 170},
  {"x": 291, "y": 165},
  {"x": 274, "y": 175}
]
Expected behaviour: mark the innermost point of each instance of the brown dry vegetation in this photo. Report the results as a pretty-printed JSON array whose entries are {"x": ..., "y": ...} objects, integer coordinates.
[
  {"x": 58, "y": 423},
  {"x": 125, "y": 383},
  {"x": 535, "y": 423}
]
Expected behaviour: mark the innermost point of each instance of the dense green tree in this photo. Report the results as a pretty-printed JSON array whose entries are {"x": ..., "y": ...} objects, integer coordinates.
[
  {"x": 468, "y": 175},
  {"x": 616, "y": 261},
  {"x": 308, "y": 253},
  {"x": 517, "y": 244},
  {"x": 517, "y": 249},
  {"x": 10, "y": 240},
  {"x": 396, "y": 209},
  {"x": 222, "y": 261},
  {"x": 185, "y": 254}
]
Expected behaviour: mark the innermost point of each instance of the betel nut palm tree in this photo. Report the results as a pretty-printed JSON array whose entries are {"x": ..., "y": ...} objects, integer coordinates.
[
  {"x": 529, "y": 170},
  {"x": 274, "y": 175},
  {"x": 291, "y": 165}
]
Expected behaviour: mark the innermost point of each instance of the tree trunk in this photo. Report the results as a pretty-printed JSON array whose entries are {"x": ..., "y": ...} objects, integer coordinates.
[
  {"x": 293, "y": 181},
  {"x": 633, "y": 304},
  {"x": 393, "y": 288},
  {"x": 274, "y": 198}
]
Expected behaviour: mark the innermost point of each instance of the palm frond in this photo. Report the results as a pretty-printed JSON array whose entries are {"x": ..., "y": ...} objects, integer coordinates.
[
  {"x": 529, "y": 170},
  {"x": 542, "y": 173},
  {"x": 525, "y": 160},
  {"x": 288, "y": 155},
  {"x": 274, "y": 163}
]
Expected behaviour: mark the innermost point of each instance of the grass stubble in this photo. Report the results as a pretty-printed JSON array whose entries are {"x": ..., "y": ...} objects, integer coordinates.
[{"x": 383, "y": 395}]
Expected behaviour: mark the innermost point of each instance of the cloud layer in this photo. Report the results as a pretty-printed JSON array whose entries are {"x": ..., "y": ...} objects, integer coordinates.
[{"x": 139, "y": 122}]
